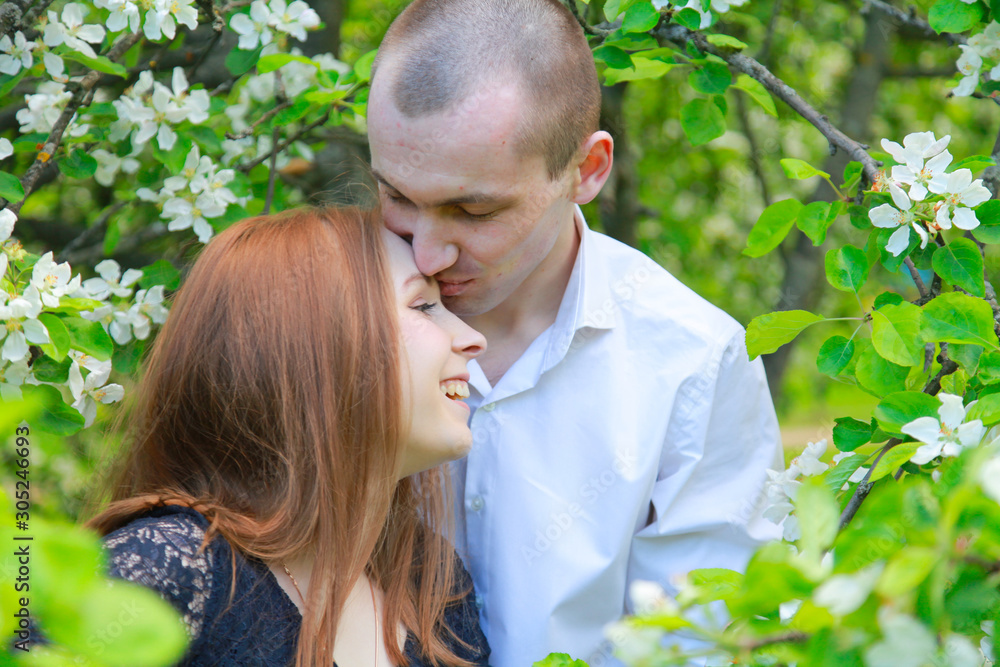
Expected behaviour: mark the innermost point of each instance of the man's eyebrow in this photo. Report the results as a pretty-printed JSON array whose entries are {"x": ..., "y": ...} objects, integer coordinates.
[{"x": 468, "y": 198}]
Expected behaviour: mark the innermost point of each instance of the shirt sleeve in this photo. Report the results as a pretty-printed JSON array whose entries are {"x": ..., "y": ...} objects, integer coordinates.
[{"x": 705, "y": 507}]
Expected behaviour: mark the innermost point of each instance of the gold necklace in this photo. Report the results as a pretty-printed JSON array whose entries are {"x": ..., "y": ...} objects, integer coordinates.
[{"x": 371, "y": 588}]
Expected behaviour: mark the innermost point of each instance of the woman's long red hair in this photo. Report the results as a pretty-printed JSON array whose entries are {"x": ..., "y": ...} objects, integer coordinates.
[{"x": 271, "y": 401}]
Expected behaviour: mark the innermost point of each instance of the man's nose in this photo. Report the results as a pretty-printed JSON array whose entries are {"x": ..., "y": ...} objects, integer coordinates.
[{"x": 431, "y": 251}]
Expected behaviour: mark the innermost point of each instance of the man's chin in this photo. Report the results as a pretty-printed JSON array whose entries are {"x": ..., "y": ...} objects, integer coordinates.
[{"x": 466, "y": 305}]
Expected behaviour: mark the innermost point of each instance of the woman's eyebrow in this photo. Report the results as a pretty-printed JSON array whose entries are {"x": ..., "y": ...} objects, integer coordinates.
[{"x": 417, "y": 277}]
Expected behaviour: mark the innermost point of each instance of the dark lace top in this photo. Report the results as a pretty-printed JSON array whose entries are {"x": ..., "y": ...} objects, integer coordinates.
[{"x": 159, "y": 550}]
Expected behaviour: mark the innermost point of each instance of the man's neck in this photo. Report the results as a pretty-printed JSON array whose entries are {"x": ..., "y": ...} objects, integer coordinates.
[{"x": 512, "y": 326}]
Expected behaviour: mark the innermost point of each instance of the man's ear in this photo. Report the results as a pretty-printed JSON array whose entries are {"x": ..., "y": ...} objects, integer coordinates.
[{"x": 595, "y": 167}]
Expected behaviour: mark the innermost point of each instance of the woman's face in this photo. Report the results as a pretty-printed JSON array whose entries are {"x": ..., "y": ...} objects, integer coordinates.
[{"x": 437, "y": 345}]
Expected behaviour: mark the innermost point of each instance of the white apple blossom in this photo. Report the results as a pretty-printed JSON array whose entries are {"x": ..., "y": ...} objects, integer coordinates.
[
  {"x": 111, "y": 281},
  {"x": 648, "y": 597},
  {"x": 960, "y": 192},
  {"x": 782, "y": 487},
  {"x": 147, "y": 309},
  {"x": 53, "y": 280},
  {"x": 989, "y": 478},
  {"x": 12, "y": 376},
  {"x": 293, "y": 19},
  {"x": 718, "y": 6},
  {"x": 906, "y": 642},
  {"x": 109, "y": 164},
  {"x": 184, "y": 214},
  {"x": 124, "y": 13},
  {"x": 920, "y": 179},
  {"x": 6, "y": 148},
  {"x": 947, "y": 436},
  {"x": 902, "y": 216},
  {"x": 95, "y": 390},
  {"x": 15, "y": 54},
  {"x": 843, "y": 594},
  {"x": 100, "y": 369},
  {"x": 979, "y": 47},
  {"x": 19, "y": 313},
  {"x": 917, "y": 147},
  {"x": 253, "y": 29},
  {"x": 72, "y": 31},
  {"x": 164, "y": 15},
  {"x": 44, "y": 108},
  {"x": 55, "y": 67}
]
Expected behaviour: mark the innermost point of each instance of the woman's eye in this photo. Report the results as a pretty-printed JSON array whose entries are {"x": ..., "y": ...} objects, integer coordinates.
[{"x": 425, "y": 307}]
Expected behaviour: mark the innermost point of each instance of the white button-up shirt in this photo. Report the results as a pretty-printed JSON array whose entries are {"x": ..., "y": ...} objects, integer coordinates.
[{"x": 629, "y": 441}]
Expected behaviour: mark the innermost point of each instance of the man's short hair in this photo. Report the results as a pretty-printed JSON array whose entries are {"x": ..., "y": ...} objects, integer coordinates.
[{"x": 443, "y": 51}]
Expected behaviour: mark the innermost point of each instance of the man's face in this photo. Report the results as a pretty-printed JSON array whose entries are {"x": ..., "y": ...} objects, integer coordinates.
[{"x": 480, "y": 218}]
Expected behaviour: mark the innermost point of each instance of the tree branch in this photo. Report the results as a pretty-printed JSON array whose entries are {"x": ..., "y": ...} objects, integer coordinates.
[
  {"x": 286, "y": 143},
  {"x": 917, "y": 280},
  {"x": 747, "y": 65}
]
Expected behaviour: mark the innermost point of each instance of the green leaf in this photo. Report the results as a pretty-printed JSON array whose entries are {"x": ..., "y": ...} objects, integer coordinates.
[
  {"x": 772, "y": 227},
  {"x": 712, "y": 584},
  {"x": 100, "y": 63},
  {"x": 847, "y": 268},
  {"x": 711, "y": 79},
  {"x": 958, "y": 318},
  {"x": 770, "y": 579},
  {"x": 886, "y": 298},
  {"x": 974, "y": 163},
  {"x": 967, "y": 356},
  {"x": 954, "y": 16},
  {"x": 175, "y": 158},
  {"x": 725, "y": 42},
  {"x": 645, "y": 68},
  {"x": 58, "y": 334},
  {"x": 11, "y": 188},
  {"x": 640, "y": 17},
  {"x": 559, "y": 660},
  {"x": 834, "y": 355},
  {"x": 702, "y": 121},
  {"x": 818, "y": 516},
  {"x": 614, "y": 57},
  {"x": 363, "y": 66},
  {"x": 961, "y": 264},
  {"x": 291, "y": 114},
  {"x": 612, "y": 8},
  {"x": 989, "y": 366},
  {"x": 891, "y": 460},
  {"x": 160, "y": 272},
  {"x": 800, "y": 169},
  {"x": 878, "y": 375},
  {"x": 688, "y": 18},
  {"x": 275, "y": 61},
  {"x": 988, "y": 214},
  {"x": 858, "y": 216},
  {"x": 814, "y": 219},
  {"x": 896, "y": 334},
  {"x": 56, "y": 417},
  {"x": 78, "y": 165},
  {"x": 757, "y": 91},
  {"x": 89, "y": 337},
  {"x": 9, "y": 83},
  {"x": 849, "y": 434},
  {"x": 838, "y": 476},
  {"x": 47, "y": 369},
  {"x": 239, "y": 62},
  {"x": 987, "y": 408},
  {"x": 902, "y": 407},
  {"x": 766, "y": 333}
]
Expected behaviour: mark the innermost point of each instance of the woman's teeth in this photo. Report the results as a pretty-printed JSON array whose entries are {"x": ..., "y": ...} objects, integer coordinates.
[{"x": 455, "y": 389}]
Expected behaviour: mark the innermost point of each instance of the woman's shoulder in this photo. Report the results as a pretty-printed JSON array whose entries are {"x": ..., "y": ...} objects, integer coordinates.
[
  {"x": 234, "y": 610},
  {"x": 162, "y": 549}
]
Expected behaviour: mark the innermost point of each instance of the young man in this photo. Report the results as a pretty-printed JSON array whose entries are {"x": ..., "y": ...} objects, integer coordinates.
[{"x": 620, "y": 431}]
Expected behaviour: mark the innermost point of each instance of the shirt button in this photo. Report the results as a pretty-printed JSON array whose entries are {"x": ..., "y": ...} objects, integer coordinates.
[
  {"x": 479, "y": 601},
  {"x": 489, "y": 407},
  {"x": 476, "y": 504}
]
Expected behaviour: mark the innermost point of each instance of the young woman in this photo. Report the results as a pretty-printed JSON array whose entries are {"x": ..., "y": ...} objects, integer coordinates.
[{"x": 279, "y": 483}]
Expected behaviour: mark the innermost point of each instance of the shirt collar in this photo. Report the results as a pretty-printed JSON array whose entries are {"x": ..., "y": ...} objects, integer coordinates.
[{"x": 587, "y": 302}]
